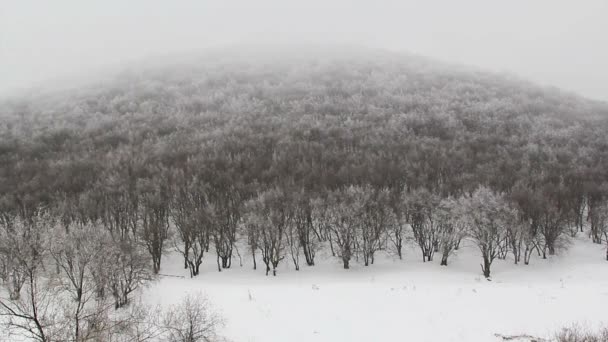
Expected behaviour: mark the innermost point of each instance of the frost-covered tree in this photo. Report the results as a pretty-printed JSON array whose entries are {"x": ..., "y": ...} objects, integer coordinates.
[
  {"x": 421, "y": 206},
  {"x": 75, "y": 251},
  {"x": 190, "y": 213},
  {"x": 154, "y": 219},
  {"x": 395, "y": 231},
  {"x": 488, "y": 214},
  {"x": 61, "y": 303},
  {"x": 343, "y": 219},
  {"x": 451, "y": 225},
  {"x": 270, "y": 215},
  {"x": 192, "y": 320},
  {"x": 307, "y": 234},
  {"x": 35, "y": 315},
  {"x": 598, "y": 197},
  {"x": 23, "y": 246},
  {"x": 599, "y": 218},
  {"x": 126, "y": 267},
  {"x": 375, "y": 216},
  {"x": 225, "y": 210}
]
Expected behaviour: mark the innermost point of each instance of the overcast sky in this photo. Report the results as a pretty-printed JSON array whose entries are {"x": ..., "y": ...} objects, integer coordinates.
[{"x": 552, "y": 42}]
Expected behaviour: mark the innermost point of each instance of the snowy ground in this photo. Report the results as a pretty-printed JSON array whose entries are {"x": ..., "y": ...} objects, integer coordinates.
[{"x": 400, "y": 300}]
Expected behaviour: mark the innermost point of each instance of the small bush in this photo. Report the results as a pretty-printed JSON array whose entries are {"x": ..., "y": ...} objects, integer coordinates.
[{"x": 576, "y": 333}]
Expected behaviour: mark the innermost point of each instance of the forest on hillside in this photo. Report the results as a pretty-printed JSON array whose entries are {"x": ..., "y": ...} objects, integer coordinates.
[{"x": 357, "y": 154}]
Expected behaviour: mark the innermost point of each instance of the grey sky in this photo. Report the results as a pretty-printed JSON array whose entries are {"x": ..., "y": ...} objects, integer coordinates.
[{"x": 553, "y": 42}]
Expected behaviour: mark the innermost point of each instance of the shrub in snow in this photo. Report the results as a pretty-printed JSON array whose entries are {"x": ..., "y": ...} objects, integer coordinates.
[{"x": 576, "y": 333}]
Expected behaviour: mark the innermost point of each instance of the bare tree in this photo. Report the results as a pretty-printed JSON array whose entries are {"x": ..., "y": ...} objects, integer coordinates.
[
  {"x": 22, "y": 247},
  {"x": 343, "y": 216},
  {"x": 421, "y": 205},
  {"x": 25, "y": 247},
  {"x": 320, "y": 217},
  {"x": 395, "y": 233},
  {"x": 62, "y": 306},
  {"x": 450, "y": 226},
  {"x": 375, "y": 215},
  {"x": 75, "y": 251},
  {"x": 599, "y": 218},
  {"x": 193, "y": 320},
  {"x": 515, "y": 235},
  {"x": 526, "y": 232},
  {"x": 488, "y": 215},
  {"x": 292, "y": 235},
  {"x": 269, "y": 214},
  {"x": 128, "y": 270},
  {"x": 34, "y": 315},
  {"x": 190, "y": 213},
  {"x": 303, "y": 222},
  {"x": 225, "y": 214},
  {"x": 552, "y": 225},
  {"x": 119, "y": 196},
  {"x": 154, "y": 220},
  {"x": 595, "y": 202},
  {"x": 253, "y": 238}
]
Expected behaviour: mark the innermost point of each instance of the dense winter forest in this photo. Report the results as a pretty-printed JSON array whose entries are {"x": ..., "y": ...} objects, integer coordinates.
[{"x": 273, "y": 159}]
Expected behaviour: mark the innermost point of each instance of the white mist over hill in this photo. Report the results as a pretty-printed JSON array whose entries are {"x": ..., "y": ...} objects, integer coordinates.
[{"x": 555, "y": 43}]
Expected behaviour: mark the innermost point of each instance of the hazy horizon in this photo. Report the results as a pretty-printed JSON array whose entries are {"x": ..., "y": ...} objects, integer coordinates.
[{"x": 552, "y": 43}]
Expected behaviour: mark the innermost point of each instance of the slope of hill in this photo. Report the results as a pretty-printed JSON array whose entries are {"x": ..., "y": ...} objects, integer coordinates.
[{"x": 319, "y": 118}]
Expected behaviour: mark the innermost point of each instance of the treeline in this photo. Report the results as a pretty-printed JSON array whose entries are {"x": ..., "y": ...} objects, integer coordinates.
[{"x": 355, "y": 154}]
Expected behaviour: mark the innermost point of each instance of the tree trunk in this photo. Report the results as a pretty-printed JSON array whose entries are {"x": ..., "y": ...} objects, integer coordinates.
[
  {"x": 156, "y": 265},
  {"x": 331, "y": 247},
  {"x": 307, "y": 248},
  {"x": 516, "y": 250},
  {"x": 226, "y": 261},
  {"x": 486, "y": 266},
  {"x": 527, "y": 255},
  {"x": 346, "y": 261},
  {"x": 186, "y": 254},
  {"x": 444, "y": 259},
  {"x": 308, "y": 254},
  {"x": 275, "y": 263},
  {"x": 197, "y": 267},
  {"x": 191, "y": 269},
  {"x": 545, "y": 252}
]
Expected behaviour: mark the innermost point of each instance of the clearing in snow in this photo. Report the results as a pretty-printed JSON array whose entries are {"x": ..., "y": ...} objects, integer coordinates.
[{"x": 400, "y": 300}]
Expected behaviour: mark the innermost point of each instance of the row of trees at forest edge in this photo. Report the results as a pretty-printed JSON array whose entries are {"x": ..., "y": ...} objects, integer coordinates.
[
  {"x": 359, "y": 220},
  {"x": 132, "y": 231}
]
